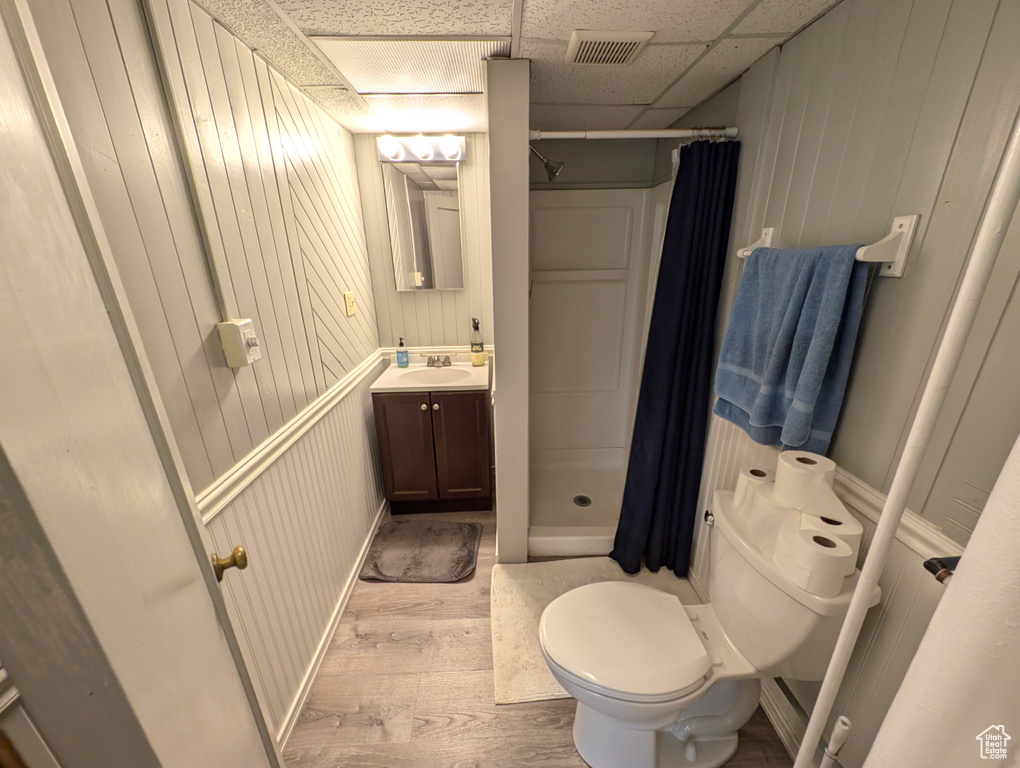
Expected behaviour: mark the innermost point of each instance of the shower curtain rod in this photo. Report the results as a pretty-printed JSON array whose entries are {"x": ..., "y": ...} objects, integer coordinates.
[{"x": 675, "y": 133}]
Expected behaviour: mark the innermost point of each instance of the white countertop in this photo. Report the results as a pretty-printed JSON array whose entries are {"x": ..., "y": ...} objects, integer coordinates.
[{"x": 459, "y": 377}]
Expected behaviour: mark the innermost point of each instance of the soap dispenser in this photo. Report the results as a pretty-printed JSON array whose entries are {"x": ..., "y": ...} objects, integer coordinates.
[
  {"x": 477, "y": 348},
  {"x": 402, "y": 361}
]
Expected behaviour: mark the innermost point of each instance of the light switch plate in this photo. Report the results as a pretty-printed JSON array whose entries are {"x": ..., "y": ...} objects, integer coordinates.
[
  {"x": 349, "y": 301},
  {"x": 240, "y": 344}
]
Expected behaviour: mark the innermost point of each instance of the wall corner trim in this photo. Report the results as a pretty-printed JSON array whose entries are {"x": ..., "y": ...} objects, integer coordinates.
[
  {"x": 915, "y": 532},
  {"x": 217, "y": 496}
]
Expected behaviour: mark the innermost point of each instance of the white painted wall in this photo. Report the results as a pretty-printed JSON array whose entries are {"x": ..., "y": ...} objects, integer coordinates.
[
  {"x": 506, "y": 95},
  {"x": 595, "y": 164},
  {"x": 876, "y": 110},
  {"x": 276, "y": 206},
  {"x": 283, "y": 223},
  {"x": 430, "y": 318},
  {"x": 100, "y": 590}
]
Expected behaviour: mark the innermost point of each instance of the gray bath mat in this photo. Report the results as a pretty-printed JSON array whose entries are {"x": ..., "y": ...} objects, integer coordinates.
[{"x": 422, "y": 551}]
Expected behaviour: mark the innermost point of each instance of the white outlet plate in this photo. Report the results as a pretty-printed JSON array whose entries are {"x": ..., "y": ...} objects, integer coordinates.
[{"x": 349, "y": 301}]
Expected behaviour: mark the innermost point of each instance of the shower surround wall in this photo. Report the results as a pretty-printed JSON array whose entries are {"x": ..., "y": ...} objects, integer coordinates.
[{"x": 591, "y": 254}]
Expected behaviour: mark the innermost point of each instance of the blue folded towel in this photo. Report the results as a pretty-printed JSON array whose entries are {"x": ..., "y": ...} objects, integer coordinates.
[{"x": 786, "y": 357}]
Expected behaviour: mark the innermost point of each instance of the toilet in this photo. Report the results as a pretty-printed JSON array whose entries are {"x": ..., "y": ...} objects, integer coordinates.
[{"x": 660, "y": 684}]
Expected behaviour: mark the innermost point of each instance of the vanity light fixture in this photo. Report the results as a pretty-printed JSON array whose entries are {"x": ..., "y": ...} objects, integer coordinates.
[
  {"x": 391, "y": 148},
  {"x": 448, "y": 148},
  {"x": 422, "y": 147}
]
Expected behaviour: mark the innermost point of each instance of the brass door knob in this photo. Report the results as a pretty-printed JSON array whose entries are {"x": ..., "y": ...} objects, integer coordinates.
[{"x": 238, "y": 559}]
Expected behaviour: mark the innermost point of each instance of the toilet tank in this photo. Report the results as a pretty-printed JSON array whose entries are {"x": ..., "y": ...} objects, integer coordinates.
[{"x": 781, "y": 629}]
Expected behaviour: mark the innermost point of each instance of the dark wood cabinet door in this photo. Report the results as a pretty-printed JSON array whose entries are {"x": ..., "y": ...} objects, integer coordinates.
[
  {"x": 460, "y": 422},
  {"x": 403, "y": 423}
]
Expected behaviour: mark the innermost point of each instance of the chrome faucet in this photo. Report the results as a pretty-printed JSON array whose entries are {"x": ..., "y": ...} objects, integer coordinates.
[{"x": 436, "y": 361}]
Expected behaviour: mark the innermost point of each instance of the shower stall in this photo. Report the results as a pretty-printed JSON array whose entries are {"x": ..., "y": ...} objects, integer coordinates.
[{"x": 594, "y": 255}]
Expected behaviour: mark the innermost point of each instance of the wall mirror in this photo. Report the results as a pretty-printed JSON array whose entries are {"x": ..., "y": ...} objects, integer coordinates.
[{"x": 426, "y": 234}]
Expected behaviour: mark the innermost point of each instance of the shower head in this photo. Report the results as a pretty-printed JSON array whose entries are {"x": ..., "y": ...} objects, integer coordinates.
[{"x": 552, "y": 168}]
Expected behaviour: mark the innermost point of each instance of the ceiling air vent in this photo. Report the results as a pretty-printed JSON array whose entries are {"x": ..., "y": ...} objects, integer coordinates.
[{"x": 600, "y": 47}]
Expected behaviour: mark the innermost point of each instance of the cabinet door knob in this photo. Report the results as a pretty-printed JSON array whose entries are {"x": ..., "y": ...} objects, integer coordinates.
[
  {"x": 424, "y": 407},
  {"x": 435, "y": 406}
]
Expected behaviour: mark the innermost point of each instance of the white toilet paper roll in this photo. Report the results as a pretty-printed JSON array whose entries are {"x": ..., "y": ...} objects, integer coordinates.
[
  {"x": 811, "y": 560},
  {"x": 750, "y": 477},
  {"x": 768, "y": 516},
  {"x": 826, "y": 514},
  {"x": 799, "y": 473}
]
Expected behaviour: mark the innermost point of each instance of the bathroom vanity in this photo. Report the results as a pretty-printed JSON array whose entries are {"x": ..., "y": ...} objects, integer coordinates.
[{"x": 432, "y": 425}]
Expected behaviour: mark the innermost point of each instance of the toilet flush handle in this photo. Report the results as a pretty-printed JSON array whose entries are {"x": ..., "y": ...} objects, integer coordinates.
[{"x": 709, "y": 518}]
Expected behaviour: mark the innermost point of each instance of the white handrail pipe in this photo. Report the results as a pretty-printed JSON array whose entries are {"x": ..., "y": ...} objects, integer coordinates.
[
  {"x": 998, "y": 213},
  {"x": 669, "y": 133}
]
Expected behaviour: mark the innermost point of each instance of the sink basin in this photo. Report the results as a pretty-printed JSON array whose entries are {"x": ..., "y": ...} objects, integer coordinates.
[
  {"x": 430, "y": 376},
  {"x": 420, "y": 378}
]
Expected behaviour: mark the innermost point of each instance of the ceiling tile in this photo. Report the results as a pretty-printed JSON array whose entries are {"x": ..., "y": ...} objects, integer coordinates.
[
  {"x": 428, "y": 113},
  {"x": 673, "y": 21},
  {"x": 781, "y": 16},
  {"x": 724, "y": 63},
  {"x": 400, "y": 17},
  {"x": 658, "y": 118},
  {"x": 554, "y": 81},
  {"x": 559, "y": 117},
  {"x": 412, "y": 66},
  {"x": 343, "y": 106},
  {"x": 262, "y": 29}
]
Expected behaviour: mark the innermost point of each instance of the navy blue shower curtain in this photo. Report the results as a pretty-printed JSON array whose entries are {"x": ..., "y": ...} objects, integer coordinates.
[{"x": 661, "y": 493}]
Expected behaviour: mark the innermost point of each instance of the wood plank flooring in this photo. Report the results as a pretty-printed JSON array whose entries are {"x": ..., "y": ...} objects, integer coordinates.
[{"x": 407, "y": 681}]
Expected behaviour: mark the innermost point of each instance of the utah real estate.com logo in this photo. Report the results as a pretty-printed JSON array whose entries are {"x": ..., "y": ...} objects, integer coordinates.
[{"x": 993, "y": 742}]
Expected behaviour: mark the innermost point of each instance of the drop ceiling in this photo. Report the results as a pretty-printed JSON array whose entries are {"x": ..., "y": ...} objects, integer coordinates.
[{"x": 408, "y": 65}]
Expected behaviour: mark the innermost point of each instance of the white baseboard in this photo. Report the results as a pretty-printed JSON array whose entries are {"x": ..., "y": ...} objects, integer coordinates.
[{"x": 320, "y": 652}]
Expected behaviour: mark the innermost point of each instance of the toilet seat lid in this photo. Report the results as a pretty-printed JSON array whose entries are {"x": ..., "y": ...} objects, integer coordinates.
[{"x": 624, "y": 637}]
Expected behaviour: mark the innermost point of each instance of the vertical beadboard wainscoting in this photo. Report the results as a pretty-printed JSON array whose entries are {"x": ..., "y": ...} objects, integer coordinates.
[
  {"x": 304, "y": 505},
  {"x": 892, "y": 630}
]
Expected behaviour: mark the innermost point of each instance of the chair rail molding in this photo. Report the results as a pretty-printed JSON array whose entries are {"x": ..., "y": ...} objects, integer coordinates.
[{"x": 216, "y": 497}]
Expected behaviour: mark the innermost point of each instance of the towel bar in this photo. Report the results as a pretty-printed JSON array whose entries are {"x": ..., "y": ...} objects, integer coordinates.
[{"x": 891, "y": 251}]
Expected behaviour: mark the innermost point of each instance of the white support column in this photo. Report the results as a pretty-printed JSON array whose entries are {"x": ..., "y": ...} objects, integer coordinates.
[
  {"x": 965, "y": 677},
  {"x": 506, "y": 95}
]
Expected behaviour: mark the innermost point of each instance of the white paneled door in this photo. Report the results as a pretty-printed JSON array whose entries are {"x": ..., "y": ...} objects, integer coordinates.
[
  {"x": 109, "y": 612},
  {"x": 588, "y": 270}
]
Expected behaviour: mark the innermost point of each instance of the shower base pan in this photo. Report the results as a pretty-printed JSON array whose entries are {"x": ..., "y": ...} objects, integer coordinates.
[{"x": 575, "y": 507}]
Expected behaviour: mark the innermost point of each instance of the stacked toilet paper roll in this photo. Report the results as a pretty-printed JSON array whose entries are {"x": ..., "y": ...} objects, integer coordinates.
[
  {"x": 812, "y": 560},
  {"x": 768, "y": 515},
  {"x": 750, "y": 478},
  {"x": 799, "y": 474},
  {"x": 824, "y": 513}
]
